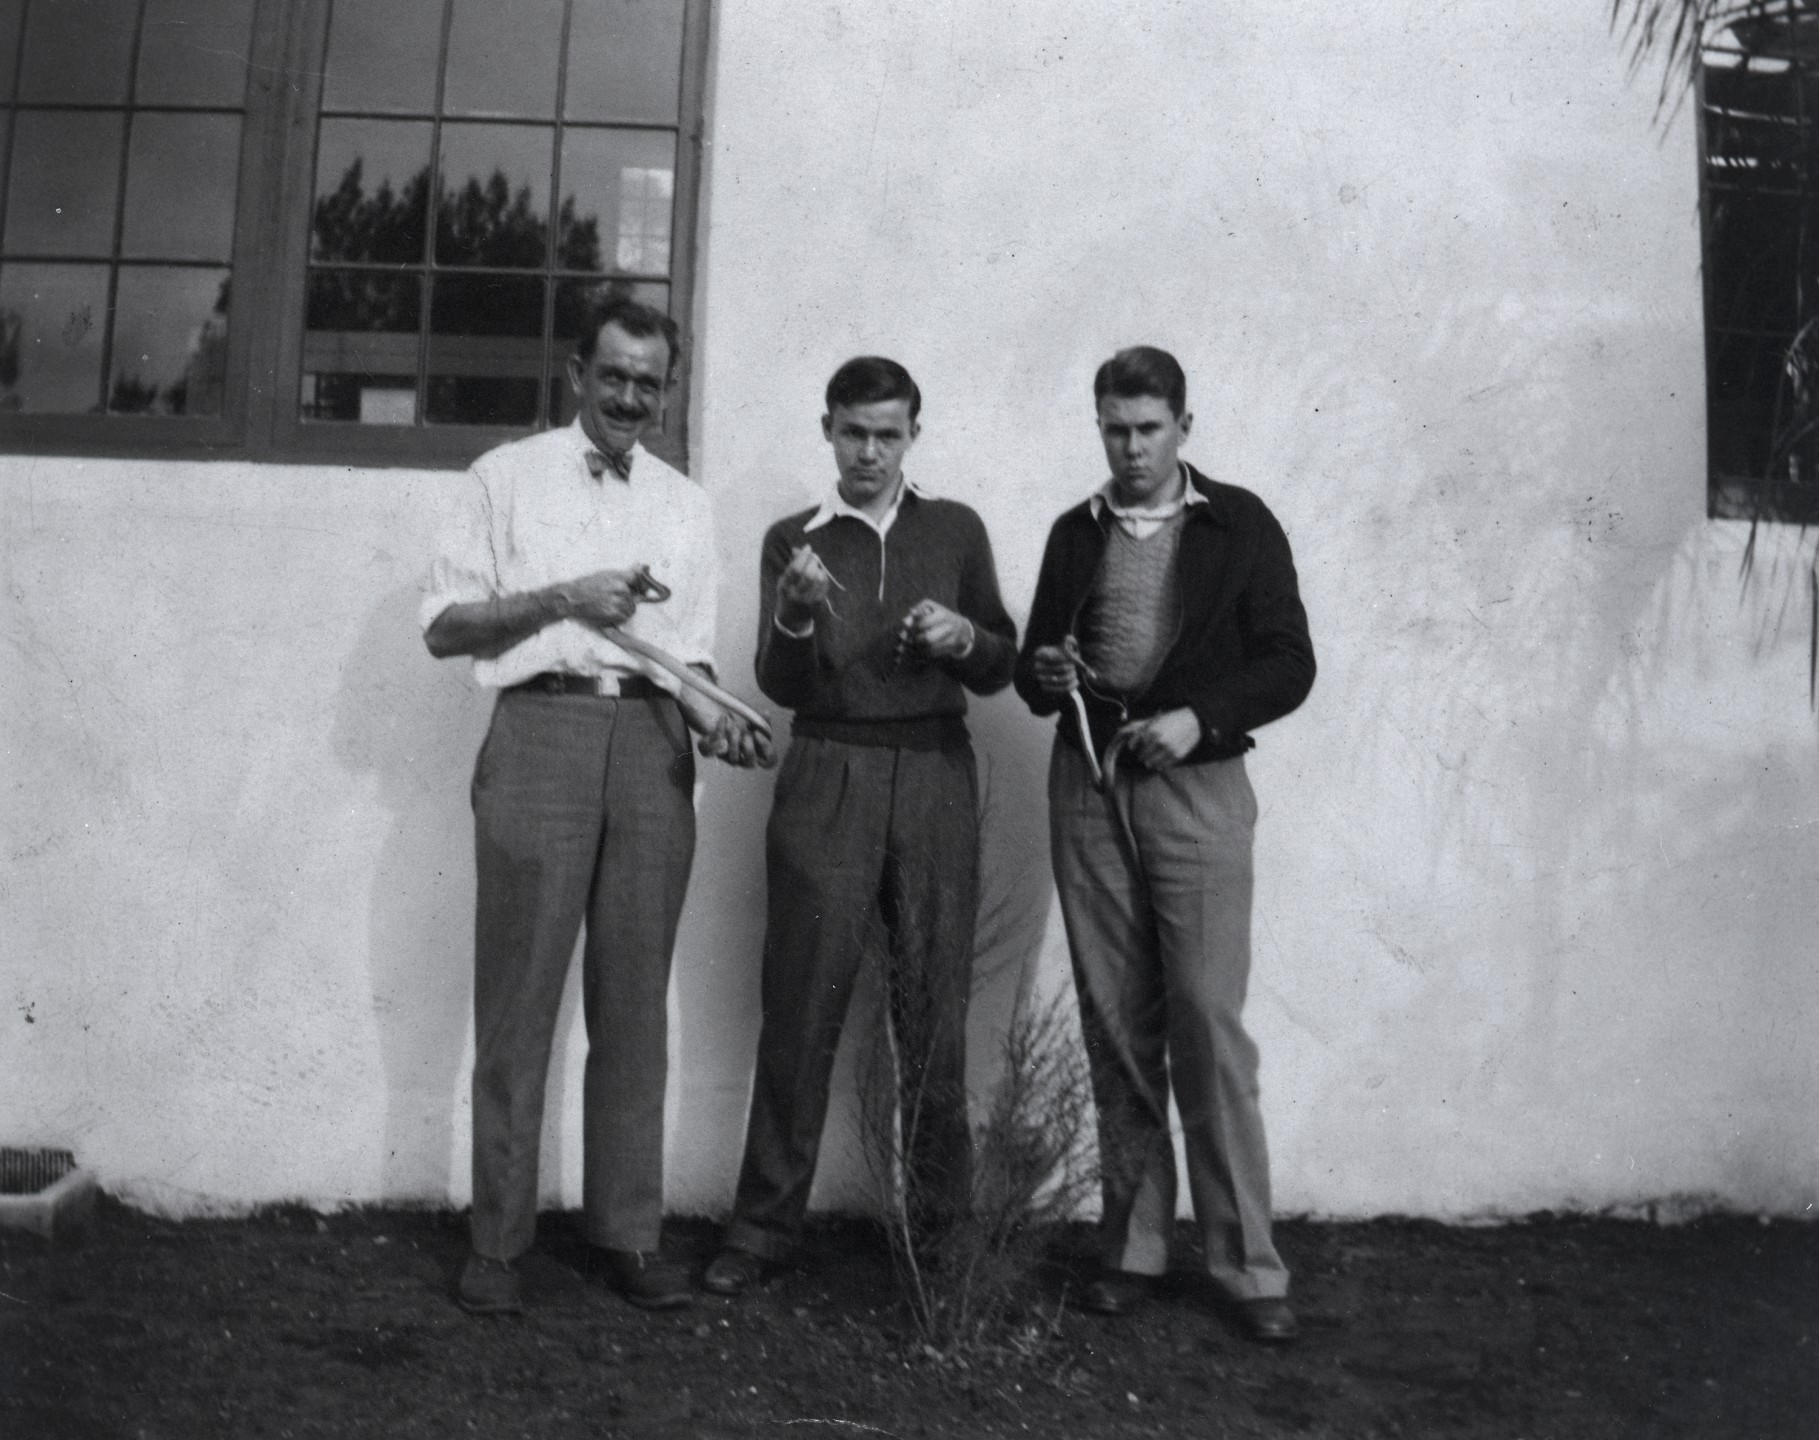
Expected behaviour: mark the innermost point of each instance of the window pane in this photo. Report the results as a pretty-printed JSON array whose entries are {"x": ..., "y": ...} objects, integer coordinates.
[
  {"x": 193, "y": 52},
  {"x": 573, "y": 298},
  {"x": 50, "y": 337},
  {"x": 618, "y": 189},
  {"x": 11, "y": 11},
  {"x": 486, "y": 305},
  {"x": 1752, "y": 259},
  {"x": 360, "y": 347},
  {"x": 495, "y": 195},
  {"x": 1744, "y": 378},
  {"x": 485, "y": 350},
  {"x": 66, "y": 177},
  {"x": 625, "y": 60},
  {"x": 382, "y": 55},
  {"x": 492, "y": 74},
  {"x": 182, "y": 173},
  {"x": 77, "y": 51},
  {"x": 372, "y": 191},
  {"x": 170, "y": 341}
]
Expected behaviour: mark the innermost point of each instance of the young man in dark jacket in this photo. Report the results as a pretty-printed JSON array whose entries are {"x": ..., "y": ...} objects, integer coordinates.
[{"x": 1167, "y": 619}]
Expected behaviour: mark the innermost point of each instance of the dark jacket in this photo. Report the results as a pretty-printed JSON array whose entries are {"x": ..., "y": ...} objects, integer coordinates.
[{"x": 1242, "y": 656}]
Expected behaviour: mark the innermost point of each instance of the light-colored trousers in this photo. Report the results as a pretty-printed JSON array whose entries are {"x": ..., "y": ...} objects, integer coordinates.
[
  {"x": 1155, "y": 883},
  {"x": 583, "y": 811}
]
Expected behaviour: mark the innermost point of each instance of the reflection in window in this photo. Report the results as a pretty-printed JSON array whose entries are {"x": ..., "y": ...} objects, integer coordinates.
[
  {"x": 170, "y": 341},
  {"x": 494, "y": 207},
  {"x": 117, "y": 220},
  {"x": 526, "y": 214},
  {"x": 644, "y": 210}
]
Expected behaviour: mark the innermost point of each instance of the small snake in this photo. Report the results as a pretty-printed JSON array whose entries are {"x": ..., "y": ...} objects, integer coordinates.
[{"x": 649, "y": 589}]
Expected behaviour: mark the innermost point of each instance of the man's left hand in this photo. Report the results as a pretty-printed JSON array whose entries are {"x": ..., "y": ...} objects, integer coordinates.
[
  {"x": 934, "y": 632},
  {"x": 722, "y": 735},
  {"x": 1162, "y": 740}
]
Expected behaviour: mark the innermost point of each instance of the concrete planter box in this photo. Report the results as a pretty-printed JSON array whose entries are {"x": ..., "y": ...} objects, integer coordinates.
[{"x": 44, "y": 1191}]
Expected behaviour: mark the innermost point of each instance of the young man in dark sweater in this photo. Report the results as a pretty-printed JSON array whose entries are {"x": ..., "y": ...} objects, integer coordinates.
[
  {"x": 879, "y": 609},
  {"x": 1167, "y": 616}
]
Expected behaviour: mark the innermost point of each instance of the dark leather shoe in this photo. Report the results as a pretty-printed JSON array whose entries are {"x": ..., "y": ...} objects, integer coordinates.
[
  {"x": 646, "y": 1279},
  {"x": 733, "y": 1271},
  {"x": 1268, "y": 1322},
  {"x": 489, "y": 1287},
  {"x": 1116, "y": 1292}
]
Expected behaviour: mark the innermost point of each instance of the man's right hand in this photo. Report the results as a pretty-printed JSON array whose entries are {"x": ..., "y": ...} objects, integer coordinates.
[
  {"x": 801, "y": 589},
  {"x": 604, "y": 599},
  {"x": 1054, "y": 669}
]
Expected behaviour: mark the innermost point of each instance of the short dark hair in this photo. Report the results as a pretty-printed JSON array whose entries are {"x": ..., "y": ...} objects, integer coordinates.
[
  {"x": 1143, "y": 370},
  {"x": 634, "y": 317},
  {"x": 868, "y": 379}
]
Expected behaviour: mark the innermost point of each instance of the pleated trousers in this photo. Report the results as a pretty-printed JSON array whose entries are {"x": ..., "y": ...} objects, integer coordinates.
[{"x": 871, "y": 851}]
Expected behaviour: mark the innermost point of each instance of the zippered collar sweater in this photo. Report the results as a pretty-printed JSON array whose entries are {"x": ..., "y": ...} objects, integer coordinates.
[
  {"x": 848, "y": 669},
  {"x": 1241, "y": 656}
]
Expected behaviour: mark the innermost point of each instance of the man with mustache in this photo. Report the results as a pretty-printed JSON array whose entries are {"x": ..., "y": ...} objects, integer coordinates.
[
  {"x": 1167, "y": 616},
  {"x": 583, "y": 792},
  {"x": 879, "y": 610}
]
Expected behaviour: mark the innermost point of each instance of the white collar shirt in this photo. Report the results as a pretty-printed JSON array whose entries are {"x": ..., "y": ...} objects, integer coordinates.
[
  {"x": 530, "y": 514},
  {"x": 1142, "y": 522},
  {"x": 835, "y": 506}
]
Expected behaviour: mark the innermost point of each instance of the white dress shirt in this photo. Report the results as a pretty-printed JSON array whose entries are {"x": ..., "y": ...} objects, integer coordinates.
[{"x": 529, "y": 514}]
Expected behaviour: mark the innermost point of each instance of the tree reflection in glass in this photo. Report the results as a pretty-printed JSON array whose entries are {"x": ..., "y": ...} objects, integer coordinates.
[{"x": 170, "y": 341}]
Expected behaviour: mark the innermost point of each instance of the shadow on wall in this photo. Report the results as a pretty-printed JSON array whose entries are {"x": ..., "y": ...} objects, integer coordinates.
[
  {"x": 1016, "y": 884},
  {"x": 414, "y": 724}
]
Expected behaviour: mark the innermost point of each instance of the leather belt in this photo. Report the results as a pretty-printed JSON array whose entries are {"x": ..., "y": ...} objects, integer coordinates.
[{"x": 622, "y": 687}]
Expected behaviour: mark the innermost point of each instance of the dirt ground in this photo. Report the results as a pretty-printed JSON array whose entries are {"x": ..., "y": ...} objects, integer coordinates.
[{"x": 291, "y": 1324}]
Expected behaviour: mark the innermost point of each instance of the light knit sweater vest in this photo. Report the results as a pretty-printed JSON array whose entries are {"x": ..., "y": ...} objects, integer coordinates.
[{"x": 1135, "y": 609}]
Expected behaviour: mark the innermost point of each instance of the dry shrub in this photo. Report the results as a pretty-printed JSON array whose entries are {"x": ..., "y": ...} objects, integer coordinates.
[{"x": 970, "y": 1280}]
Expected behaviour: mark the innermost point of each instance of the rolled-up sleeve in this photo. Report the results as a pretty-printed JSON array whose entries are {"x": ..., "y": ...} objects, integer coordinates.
[{"x": 465, "y": 569}]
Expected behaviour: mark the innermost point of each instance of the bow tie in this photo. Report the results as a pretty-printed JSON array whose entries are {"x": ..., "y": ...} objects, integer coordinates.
[{"x": 600, "y": 461}]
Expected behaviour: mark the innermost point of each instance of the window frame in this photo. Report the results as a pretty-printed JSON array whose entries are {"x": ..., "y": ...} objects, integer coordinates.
[
  {"x": 270, "y": 260},
  {"x": 1730, "y": 495}
]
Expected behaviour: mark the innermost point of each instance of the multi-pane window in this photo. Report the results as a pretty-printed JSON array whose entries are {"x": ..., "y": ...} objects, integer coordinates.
[
  {"x": 469, "y": 195},
  {"x": 414, "y": 200},
  {"x": 1759, "y": 133},
  {"x": 121, "y": 172}
]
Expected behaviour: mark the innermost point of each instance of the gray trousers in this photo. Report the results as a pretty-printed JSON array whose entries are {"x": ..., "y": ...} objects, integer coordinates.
[
  {"x": 870, "y": 851},
  {"x": 583, "y": 811},
  {"x": 1155, "y": 885}
]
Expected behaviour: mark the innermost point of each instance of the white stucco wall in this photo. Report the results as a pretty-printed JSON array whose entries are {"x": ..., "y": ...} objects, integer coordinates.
[{"x": 1536, "y": 863}]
